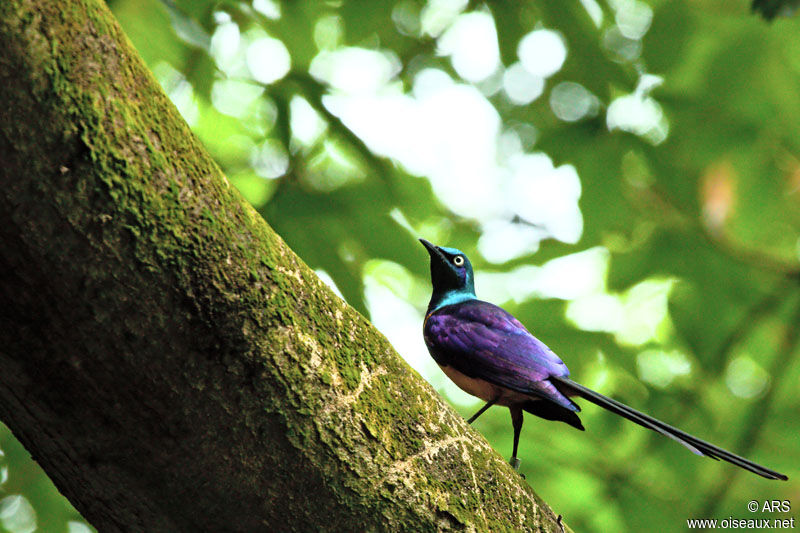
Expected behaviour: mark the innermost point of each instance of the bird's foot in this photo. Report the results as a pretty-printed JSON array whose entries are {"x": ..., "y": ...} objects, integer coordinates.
[
  {"x": 515, "y": 462},
  {"x": 560, "y": 524}
]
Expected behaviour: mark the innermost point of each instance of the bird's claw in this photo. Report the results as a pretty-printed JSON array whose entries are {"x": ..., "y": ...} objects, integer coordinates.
[{"x": 515, "y": 462}]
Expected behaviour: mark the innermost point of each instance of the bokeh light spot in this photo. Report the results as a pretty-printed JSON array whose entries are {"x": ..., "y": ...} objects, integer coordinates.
[
  {"x": 328, "y": 32},
  {"x": 471, "y": 43},
  {"x": 328, "y": 280},
  {"x": 639, "y": 113},
  {"x": 269, "y": 159},
  {"x": 77, "y": 527},
  {"x": 437, "y": 15},
  {"x": 571, "y": 102},
  {"x": 355, "y": 70},
  {"x": 234, "y": 98},
  {"x": 633, "y": 17},
  {"x": 179, "y": 90},
  {"x": 307, "y": 125},
  {"x": 543, "y": 194},
  {"x": 660, "y": 367},
  {"x": 521, "y": 86},
  {"x": 225, "y": 45},
  {"x": 269, "y": 8},
  {"x": 745, "y": 378},
  {"x": 268, "y": 59},
  {"x": 17, "y": 515},
  {"x": 542, "y": 52}
]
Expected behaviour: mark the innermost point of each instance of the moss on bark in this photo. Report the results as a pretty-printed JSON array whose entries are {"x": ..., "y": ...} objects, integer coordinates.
[{"x": 167, "y": 359}]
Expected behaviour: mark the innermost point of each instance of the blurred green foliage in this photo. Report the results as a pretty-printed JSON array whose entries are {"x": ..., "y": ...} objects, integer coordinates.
[
  {"x": 681, "y": 120},
  {"x": 770, "y": 9}
]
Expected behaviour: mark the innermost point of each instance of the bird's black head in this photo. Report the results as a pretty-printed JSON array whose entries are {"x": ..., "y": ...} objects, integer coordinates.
[{"x": 451, "y": 276}]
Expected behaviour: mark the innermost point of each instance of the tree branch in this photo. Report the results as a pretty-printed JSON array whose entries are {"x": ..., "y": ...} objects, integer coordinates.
[{"x": 171, "y": 364}]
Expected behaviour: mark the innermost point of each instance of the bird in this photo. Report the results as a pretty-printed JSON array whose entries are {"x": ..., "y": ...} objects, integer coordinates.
[{"x": 488, "y": 353}]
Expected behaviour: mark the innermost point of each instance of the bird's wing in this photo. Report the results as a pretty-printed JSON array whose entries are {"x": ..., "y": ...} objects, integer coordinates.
[{"x": 484, "y": 341}]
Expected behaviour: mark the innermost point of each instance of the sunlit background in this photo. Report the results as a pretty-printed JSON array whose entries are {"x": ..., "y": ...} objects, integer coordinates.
[{"x": 624, "y": 175}]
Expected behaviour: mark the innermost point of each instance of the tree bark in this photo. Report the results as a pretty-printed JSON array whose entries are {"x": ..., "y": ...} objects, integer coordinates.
[{"x": 165, "y": 357}]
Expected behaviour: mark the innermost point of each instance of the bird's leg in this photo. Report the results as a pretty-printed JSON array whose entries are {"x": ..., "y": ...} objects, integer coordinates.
[
  {"x": 516, "y": 421},
  {"x": 490, "y": 403}
]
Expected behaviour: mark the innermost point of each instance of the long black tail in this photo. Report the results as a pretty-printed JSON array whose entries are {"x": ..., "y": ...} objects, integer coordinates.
[{"x": 698, "y": 446}]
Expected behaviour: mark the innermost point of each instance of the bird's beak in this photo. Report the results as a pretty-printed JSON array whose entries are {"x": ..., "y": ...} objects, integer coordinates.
[
  {"x": 433, "y": 250},
  {"x": 430, "y": 246}
]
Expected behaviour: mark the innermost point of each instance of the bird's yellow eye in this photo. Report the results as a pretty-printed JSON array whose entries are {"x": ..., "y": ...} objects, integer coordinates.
[{"x": 458, "y": 260}]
